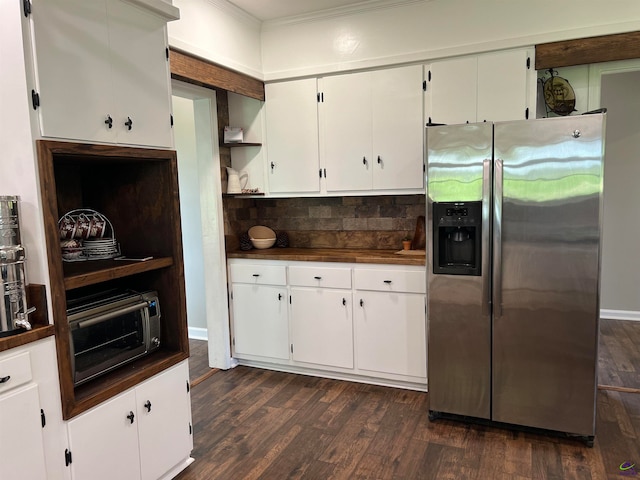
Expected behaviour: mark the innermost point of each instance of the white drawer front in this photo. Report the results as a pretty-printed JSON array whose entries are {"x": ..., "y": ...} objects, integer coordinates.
[
  {"x": 259, "y": 274},
  {"x": 320, "y": 277},
  {"x": 387, "y": 280},
  {"x": 15, "y": 371}
]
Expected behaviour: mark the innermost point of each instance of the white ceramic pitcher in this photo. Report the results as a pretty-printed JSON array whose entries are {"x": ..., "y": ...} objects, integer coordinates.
[{"x": 236, "y": 181}]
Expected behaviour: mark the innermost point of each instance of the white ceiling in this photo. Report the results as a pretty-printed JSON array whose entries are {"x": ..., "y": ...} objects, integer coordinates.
[{"x": 274, "y": 9}]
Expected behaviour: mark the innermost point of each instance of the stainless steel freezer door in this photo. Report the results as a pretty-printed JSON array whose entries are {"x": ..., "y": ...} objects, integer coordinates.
[
  {"x": 546, "y": 272},
  {"x": 459, "y": 325}
]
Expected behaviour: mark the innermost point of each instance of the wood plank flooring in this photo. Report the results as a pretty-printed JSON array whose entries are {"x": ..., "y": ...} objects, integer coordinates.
[{"x": 258, "y": 424}]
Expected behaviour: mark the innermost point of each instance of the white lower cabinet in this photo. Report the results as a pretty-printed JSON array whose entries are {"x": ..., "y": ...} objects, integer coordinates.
[
  {"x": 21, "y": 444},
  {"x": 321, "y": 315},
  {"x": 143, "y": 433},
  {"x": 32, "y": 434},
  {"x": 360, "y": 322},
  {"x": 390, "y": 321}
]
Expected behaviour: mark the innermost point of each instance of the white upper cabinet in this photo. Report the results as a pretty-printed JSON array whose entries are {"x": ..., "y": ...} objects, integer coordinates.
[
  {"x": 371, "y": 130},
  {"x": 293, "y": 163},
  {"x": 451, "y": 91},
  {"x": 503, "y": 86},
  {"x": 494, "y": 86},
  {"x": 102, "y": 73},
  {"x": 346, "y": 131}
]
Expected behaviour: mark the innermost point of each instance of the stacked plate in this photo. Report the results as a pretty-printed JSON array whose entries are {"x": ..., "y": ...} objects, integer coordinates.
[{"x": 96, "y": 249}]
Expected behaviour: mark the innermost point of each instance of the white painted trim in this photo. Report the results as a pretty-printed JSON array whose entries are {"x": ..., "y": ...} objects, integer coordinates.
[
  {"x": 217, "y": 308},
  {"x": 620, "y": 315},
  {"x": 159, "y": 7},
  {"x": 198, "y": 333},
  {"x": 354, "y": 9},
  {"x": 596, "y": 71}
]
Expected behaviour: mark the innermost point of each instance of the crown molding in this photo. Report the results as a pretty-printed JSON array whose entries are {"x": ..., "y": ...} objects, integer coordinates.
[
  {"x": 230, "y": 9},
  {"x": 356, "y": 8}
]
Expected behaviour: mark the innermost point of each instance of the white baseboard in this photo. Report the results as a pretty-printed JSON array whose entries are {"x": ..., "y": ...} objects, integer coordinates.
[
  {"x": 620, "y": 314},
  {"x": 198, "y": 333}
]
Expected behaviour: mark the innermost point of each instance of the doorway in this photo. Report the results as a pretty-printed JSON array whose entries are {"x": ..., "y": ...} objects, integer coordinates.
[{"x": 196, "y": 143}]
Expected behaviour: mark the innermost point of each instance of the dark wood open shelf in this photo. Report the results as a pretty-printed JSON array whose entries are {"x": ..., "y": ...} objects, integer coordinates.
[
  {"x": 137, "y": 190},
  {"x": 91, "y": 272}
]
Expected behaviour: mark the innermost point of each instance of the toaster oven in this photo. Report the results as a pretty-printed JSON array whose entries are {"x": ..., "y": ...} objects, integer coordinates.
[{"x": 110, "y": 329}]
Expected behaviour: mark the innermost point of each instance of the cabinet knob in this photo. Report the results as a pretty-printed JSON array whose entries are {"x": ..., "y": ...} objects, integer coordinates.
[
  {"x": 109, "y": 121},
  {"x": 361, "y": 303},
  {"x": 318, "y": 278},
  {"x": 388, "y": 282},
  {"x": 131, "y": 416},
  {"x": 344, "y": 301},
  {"x": 364, "y": 160},
  {"x": 147, "y": 405},
  {"x": 129, "y": 123},
  {"x": 279, "y": 296},
  {"x": 273, "y": 165},
  {"x": 5, "y": 379},
  {"x": 379, "y": 160}
]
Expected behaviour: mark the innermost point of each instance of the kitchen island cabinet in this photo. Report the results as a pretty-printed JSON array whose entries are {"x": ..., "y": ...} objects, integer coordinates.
[
  {"x": 106, "y": 78},
  {"x": 143, "y": 433}
]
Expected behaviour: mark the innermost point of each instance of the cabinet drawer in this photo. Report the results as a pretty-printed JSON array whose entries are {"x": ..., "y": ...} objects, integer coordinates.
[
  {"x": 259, "y": 274},
  {"x": 310, "y": 276},
  {"x": 387, "y": 280},
  {"x": 15, "y": 371}
]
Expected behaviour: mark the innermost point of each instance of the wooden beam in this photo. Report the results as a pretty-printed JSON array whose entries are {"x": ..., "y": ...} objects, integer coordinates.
[
  {"x": 583, "y": 51},
  {"x": 191, "y": 69}
]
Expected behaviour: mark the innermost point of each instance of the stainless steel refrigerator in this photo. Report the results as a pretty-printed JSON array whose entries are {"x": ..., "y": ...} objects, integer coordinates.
[{"x": 513, "y": 273}]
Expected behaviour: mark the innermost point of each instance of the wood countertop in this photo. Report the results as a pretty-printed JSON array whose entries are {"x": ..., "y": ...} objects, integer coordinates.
[{"x": 343, "y": 255}]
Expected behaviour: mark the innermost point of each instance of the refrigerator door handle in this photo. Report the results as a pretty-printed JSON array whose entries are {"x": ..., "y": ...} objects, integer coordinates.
[
  {"x": 486, "y": 236},
  {"x": 497, "y": 238}
]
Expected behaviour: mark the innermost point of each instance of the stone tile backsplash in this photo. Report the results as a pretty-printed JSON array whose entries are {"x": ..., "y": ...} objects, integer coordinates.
[{"x": 328, "y": 222}]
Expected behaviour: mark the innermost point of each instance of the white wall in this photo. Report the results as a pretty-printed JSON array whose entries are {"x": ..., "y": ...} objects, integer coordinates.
[
  {"x": 620, "y": 256},
  {"x": 219, "y": 32},
  {"x": 185, "y": 142},
  {"x": 425, "y": 30}
]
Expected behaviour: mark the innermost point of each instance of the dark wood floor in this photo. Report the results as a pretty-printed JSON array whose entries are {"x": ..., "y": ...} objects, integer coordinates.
[{"x": 257, "y": 424}]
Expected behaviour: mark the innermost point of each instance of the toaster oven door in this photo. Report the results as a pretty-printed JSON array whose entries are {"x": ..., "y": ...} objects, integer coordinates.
[{"x": 106, "y": 341}]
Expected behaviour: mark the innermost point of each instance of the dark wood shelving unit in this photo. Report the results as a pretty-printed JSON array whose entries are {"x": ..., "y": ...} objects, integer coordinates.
[{"x": 137, "y": 190}]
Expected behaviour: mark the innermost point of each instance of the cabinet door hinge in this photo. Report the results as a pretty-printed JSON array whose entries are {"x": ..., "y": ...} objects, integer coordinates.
[
  {"x": 289, "y": 299},
  {"x": 43, "y": 418},
  {"x": 171, "y": 120},
  {"x": 26, "y": 7},
  {"x": 231, "y": 295},
  {"x": 190, "y": 429},
  {"x": 424, "y": 85},
  {"x": 292, "y": 348},
  {"x": 429, "y": 75},
  {"x": 424, "y": 168},
  {"x": 324, "y": 172},
  {"x": 320, "y": 97},
  {"x": 166, "y": 52},
  {"x": 528, "y": 63},
  {"x": 67, "y": 457},
  {"x": 320, "y": 172},
  {"x": 233, "y": 341},
  {"x": 35, "y": 99},
  {"x": 526, "y": 113},
  {"x": 188, "y": 387}
]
